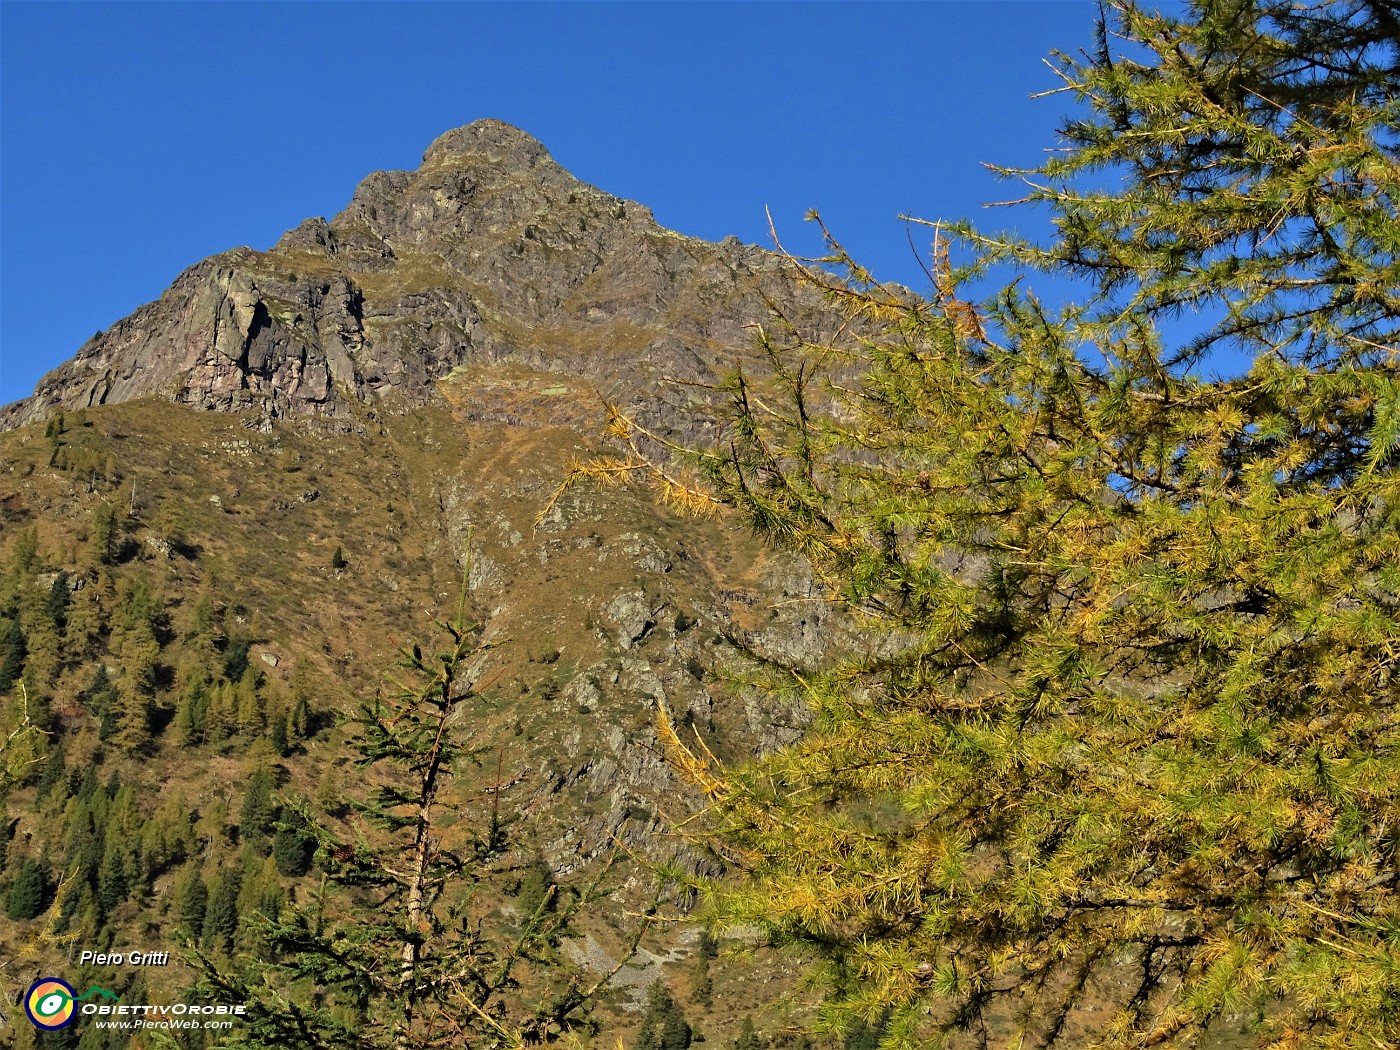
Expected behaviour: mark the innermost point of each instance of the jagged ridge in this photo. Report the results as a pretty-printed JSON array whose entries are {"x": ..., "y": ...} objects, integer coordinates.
[{"x": 489, "y": 251}]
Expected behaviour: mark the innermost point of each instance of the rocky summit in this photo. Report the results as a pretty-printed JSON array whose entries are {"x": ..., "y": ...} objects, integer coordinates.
[{"x": 489, "y": 252}]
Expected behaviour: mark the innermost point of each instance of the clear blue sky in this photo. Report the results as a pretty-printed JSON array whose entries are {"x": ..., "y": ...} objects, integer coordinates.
[{"x": 138, "y": 138}]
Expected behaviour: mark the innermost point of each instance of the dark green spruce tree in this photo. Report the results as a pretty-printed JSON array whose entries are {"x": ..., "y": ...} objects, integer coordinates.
[
  {"x": 28, "y": 894},
  {"x": 292, "y": 845},
  {"x": 664, "y": 1026}
]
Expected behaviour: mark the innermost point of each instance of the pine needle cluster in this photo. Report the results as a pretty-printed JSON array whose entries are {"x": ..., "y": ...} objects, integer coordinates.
[{"x": 1132, "y": 775}]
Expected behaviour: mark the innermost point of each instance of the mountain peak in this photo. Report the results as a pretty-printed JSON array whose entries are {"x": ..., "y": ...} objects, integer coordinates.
[
  {"x": 494, "y": 140},
  {"x": 490, "y": 254}
]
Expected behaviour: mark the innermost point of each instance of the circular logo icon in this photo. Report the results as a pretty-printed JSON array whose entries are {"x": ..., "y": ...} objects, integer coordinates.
[{"x": 49, "y": 1004}]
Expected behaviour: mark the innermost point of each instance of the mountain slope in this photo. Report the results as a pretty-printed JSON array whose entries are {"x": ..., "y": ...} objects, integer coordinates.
[{"x": 223, "y": 516}]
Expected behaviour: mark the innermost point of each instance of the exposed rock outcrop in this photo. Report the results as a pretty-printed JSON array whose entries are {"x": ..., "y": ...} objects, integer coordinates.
[{"x": 488, "y": 252}]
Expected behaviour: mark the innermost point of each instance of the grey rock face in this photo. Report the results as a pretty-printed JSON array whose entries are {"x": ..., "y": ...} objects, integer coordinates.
[
  {"x": 630, "y": 617},
  {"x": 490, "y": 252},
  {"x": 226, "y": 337}
]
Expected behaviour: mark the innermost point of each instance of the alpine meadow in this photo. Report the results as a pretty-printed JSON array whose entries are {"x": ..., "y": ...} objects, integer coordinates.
[{"x": 490, "y": 619}]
